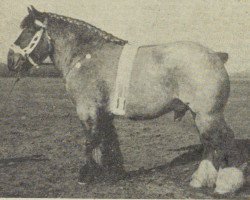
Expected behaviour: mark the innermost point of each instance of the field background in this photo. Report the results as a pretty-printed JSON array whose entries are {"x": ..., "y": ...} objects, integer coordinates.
[{"x": 41, "y": 144}]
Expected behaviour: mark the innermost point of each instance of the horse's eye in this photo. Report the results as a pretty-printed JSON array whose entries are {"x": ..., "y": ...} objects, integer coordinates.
[{"x": 30, "y": 31}]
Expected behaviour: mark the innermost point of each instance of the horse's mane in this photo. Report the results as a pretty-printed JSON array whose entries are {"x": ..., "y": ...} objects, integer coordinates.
[{"x": 81, "y": 26}]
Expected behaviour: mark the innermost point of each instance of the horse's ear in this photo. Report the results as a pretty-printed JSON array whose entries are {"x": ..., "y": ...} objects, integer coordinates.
[
  {"x": 45, "y": 22},
  {"x": 29, "y": 10},
  {"x": 223, "y": 56},
  {"x": 29, "y": 19},
  {"x": 34, "y": 12}
]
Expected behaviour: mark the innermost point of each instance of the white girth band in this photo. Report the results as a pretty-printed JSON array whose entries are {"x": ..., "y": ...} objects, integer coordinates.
[{"x": 125, "y": 66}]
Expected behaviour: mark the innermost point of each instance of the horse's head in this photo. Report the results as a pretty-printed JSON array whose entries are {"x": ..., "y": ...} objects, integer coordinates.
[{"x": 33, "y": 45}]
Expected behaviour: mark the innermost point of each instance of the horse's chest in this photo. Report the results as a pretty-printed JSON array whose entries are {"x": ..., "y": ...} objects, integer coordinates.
[{"x": 83, "y": 86}]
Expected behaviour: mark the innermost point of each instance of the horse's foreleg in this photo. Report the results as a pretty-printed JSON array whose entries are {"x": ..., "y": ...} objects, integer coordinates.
[
  {"x": 91, "y": 135},
  {"x": 111, "y": 159},
  {"x": 219, "y": 152},
  {"x": 103, "y": 157},
  {"x": 90, "y": 169}
]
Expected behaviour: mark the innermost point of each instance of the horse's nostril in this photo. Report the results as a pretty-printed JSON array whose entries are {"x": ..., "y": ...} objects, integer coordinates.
[
  {"x": 11, "y": 52},
  {"x": 14, "y": 60},
  {"x": 10, "y": 59}
]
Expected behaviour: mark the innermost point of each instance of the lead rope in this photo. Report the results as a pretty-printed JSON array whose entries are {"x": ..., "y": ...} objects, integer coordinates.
[
  {"x": 18, "y": 77},
  {"x": 4, "y": 105}
]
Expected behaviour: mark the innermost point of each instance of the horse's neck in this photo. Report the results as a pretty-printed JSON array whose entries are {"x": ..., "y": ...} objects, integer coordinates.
[
  {"x": 67, "y": 52},
  {"x": 69, "y": 48},
  {"x": 63, "y": 53}
]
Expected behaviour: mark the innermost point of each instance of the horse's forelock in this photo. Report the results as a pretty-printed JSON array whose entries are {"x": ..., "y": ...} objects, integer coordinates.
[{"x": 27, "y": 21}]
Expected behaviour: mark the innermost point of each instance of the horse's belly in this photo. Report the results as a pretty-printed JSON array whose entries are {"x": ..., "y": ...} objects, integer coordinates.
[
  {"x": 149, "y": 102},
  {"x": 150, "y": 89}
]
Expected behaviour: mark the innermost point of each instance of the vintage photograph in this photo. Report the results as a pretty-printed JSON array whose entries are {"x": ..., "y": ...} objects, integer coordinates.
[{"x": 121, "y": 99}]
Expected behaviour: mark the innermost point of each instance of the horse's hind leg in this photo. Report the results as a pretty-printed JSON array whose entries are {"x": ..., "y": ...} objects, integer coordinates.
[
  {"x": 219, "y": 149},
  {"x": 211, "y": 135}
]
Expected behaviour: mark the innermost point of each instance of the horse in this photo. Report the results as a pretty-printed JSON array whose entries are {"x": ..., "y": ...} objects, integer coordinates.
[{"x": 178, "y": 76}]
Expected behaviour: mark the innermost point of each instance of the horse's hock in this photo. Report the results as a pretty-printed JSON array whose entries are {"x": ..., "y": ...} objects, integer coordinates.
[{"x": 154, "y": 143}]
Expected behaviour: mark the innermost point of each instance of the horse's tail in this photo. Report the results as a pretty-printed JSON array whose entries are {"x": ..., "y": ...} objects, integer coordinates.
[{"x": 223, "y": 56}]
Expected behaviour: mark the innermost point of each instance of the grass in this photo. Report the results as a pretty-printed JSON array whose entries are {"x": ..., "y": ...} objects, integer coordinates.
[{"x": 41, "y": 146}]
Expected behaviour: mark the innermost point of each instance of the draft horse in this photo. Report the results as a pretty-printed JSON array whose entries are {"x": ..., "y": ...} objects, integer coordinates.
[{"x": 177, "y": 77}]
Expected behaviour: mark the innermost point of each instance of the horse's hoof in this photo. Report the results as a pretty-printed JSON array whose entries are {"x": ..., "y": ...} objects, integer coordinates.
[
  {"x": 89, "y": 173},
  {"x": 195, "y": 183},
  {"x": 229, "y": 180},
  {"x": 204, "y": 176}
]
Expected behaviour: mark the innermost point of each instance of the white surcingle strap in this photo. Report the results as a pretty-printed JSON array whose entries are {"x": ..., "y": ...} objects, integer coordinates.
[{"x": 125, "y": 66}]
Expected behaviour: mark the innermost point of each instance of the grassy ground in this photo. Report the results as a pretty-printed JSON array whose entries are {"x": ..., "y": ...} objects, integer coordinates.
[{"x": 41, "y": 146}]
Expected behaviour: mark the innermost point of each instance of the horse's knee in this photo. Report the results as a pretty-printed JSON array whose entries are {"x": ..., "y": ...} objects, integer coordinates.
[
  {"x": 91, "y": 135},
  {"x": 91, "y": 168},
  {"x": 86, "y": 111}
]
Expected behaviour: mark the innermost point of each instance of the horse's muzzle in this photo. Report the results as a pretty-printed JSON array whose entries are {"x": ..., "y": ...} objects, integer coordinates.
[{"x": 16, "y": 62}]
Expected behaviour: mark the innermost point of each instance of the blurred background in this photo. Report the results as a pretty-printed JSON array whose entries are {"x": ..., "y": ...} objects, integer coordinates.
[{"x": 221, "y": 25}]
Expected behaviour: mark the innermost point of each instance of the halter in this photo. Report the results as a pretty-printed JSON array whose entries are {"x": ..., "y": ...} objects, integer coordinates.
[{"x": 25, "y": 52}]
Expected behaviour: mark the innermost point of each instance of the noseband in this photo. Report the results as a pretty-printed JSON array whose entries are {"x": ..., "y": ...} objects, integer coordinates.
[{"x": 25, "y": 52}]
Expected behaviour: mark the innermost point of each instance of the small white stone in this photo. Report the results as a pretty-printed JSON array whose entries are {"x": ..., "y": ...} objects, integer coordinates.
[
  {"x": 78, "y": 65},
  {"x": 23, "y": 117},
  {"x": 97, "y": 155},
  {"x": 81, "y": 183},
  {"x": 88, "y": 56}
]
